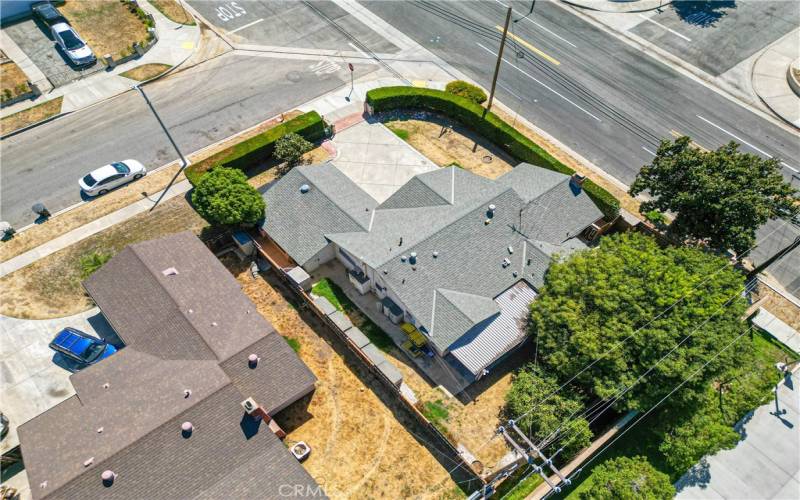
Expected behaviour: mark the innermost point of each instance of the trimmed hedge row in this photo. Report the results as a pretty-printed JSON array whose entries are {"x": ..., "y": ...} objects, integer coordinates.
[
  {"x": 487, "y": 124},
  {"x": 255, "y": 150}
]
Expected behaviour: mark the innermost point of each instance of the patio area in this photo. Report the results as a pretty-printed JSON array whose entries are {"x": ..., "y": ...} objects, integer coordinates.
[{"x": 436, "y": 370}]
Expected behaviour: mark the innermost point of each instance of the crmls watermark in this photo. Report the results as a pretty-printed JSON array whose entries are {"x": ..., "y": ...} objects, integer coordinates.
[{"x": 301, "y": 491}]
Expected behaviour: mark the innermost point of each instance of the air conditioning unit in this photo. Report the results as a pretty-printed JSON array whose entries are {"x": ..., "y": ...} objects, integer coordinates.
[
  {"x": 591, "y": 232},
  {"x": 249, "y": 405}
]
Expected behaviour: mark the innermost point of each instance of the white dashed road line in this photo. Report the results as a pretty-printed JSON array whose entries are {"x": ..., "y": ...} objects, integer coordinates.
[
  {"x": 745, "y": 142},
  {"x": 539, "y": 82},
  {"x": 652, "y": 153},
  {"x": 540, "y": 26},
  {"x": 668, "y": 29},
  {"x": 246, "y": 25}
]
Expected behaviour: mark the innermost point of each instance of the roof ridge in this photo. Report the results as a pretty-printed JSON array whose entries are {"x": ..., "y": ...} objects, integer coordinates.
[{"x": 325, "y": 193}]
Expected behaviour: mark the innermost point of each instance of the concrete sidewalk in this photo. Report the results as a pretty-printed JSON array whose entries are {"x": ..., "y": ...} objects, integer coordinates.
[
  {"x": 89, "y": 229},
  {"x": 770, "y": 78},
  {"x": 619, "y": 5},
  {"x": 176, "y": 43}
]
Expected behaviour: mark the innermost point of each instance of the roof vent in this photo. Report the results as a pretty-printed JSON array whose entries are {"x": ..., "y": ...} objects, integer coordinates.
[
  {"x": 435, "y": 254},
  {"x": 186, "y": 429},
  {"x": 43, "y": 485},
  {"x": 413, "y": 258},
  {"x": 213, "y": 323},
  {"x": 88, "y": 462},
  {"x": 506, "y": 262},
  {"x": 106, "y": 385},
  {"x": 249, "y": 405},
  {"x": 170, "y": 271},
  {"x": 490, "y": 212},
  {"x": 577, "y": 179},
  {"x": 252, "y": 360},
  {"x": 99, "y": 430},
  {"x": 403, "y": 258},
  {"x": 510, "y": 249},
  {"x": 191, "y": 311},
  {"x": 514, "y": 274},
  {"x": 108, "y": 477},
  {"x": 187, "y": 393},
  {"x": 304, "y": 188}
]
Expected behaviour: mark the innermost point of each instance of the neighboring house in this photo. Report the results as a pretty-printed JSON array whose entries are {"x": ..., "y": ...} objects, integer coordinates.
[
  {"x": 189, "y": 331},
  {"x": 15, "y": 9},
  {"x": 457, "y": 255}
]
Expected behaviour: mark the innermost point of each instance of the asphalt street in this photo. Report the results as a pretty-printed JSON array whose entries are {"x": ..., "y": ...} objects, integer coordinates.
[
  {"x": 199, "y": 106},
  {"x": 606, "y": 100}
]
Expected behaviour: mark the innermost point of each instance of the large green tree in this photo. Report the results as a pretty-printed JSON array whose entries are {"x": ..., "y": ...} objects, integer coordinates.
[
  {"x": 719, "y": 197},
  {"x": 223, "y": 197},
  {"x": 562, "y": 412},
  {"x": 627, "y": 303},
  {"x": 626, "y": 478}
]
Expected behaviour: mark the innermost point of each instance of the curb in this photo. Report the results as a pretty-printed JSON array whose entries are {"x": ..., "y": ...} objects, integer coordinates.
[
  {"x": 34, "y": 125},
  {"x": 619, "y": 6}
]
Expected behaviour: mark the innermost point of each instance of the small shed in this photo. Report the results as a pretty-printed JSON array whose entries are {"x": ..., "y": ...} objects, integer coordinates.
[
  {"x": 324, "y": 305},
  {"x": 357, "y": 337},
  {"x": 341, "y": 321},
  {"x": 373, "y": 353},
  {"x": 300, "y": 278},
  {"x": 391, "y": 372}
]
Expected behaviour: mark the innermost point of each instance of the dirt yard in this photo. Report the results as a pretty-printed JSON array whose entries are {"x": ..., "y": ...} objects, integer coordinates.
[
  {"x": 13, "y": 81},
  {"x": 30, "y": 116},
  {"x": 360, "y": 449},
  {"x": 146, "y": 71},
  {"x": 108, "y": 26},
  {"x": 173, "y": 11},
  {"x": 782, "y": 308},
  {"x": 51, "y": 287},
  {"x": 444, "y": 146}
]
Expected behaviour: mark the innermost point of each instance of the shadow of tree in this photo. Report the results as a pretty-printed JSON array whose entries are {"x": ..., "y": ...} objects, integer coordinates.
[
  {"x": 698, "y": 475},
  {"x": 703, "y": 13}
]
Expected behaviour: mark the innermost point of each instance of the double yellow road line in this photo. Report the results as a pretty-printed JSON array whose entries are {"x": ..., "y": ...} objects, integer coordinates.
[{"x": 530, "y": 47}]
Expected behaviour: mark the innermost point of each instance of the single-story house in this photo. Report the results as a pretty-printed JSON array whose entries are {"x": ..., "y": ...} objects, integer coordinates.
[
  {"x": 163, "y": 417},
  {"x": 457, "y": 255}
]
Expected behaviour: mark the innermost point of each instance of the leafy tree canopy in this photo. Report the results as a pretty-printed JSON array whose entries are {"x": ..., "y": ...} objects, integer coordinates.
[
  {"x": 223, "y": 197},
  {"x": 626, "y": 478},
  {"x": 291, "y": 147},
  {"x": 531, "y": 388},
  {"x": 719, "y": 197},
  {"x": 592, "y": 302}
]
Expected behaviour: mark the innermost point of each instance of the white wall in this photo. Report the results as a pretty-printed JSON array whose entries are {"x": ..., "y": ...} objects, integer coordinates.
[{"x": 323, "y": 256}]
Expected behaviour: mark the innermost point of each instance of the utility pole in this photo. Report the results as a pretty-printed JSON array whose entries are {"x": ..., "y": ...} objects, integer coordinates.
[{"x": 499, "y": 59}]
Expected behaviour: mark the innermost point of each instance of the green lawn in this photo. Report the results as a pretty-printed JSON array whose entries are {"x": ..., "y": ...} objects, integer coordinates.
[
  {"x": 293, "y": 343},
  {"x": 513, "y": 489},
  {"x": 336, "y": 296}
]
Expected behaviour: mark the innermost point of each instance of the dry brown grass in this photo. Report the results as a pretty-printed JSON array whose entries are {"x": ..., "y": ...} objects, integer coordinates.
[
  {"x": 781, "y": 307},
  {"x": 146, "y": 71},
  {"x": 108, "y": 26},
  {"x": 445, "y": 146},
  {"x": 13, "y": 81},
  {"x": 173, "y": 11},
  {"x": 30, "y": 116},
  {"x": 360, "y": 449},
  {"x": 56, "y": 226},
  {"x": 51, "y": 287}
]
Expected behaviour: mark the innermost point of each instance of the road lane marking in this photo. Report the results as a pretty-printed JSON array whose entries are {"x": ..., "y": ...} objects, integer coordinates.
[
  {"x": 677, "y": 135},
  {"x": 745, "y": 142},
  {"x": 652, "y": 153},
  {"x": 240, "y": 28},
  {"x": 668, "y": 29},
  {"x": 539, "y": 82},
  {"x": 363, "y": 54},
  {"x": 526, "y": 18},
  {"x": 524, "y": 43}
]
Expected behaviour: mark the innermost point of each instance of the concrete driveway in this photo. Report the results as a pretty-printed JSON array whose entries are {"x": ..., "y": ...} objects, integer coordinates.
[
  {"x": 33, "y": 378},
  {"x": 765, "y": 463},
  {"x": 377, "y": 160}
]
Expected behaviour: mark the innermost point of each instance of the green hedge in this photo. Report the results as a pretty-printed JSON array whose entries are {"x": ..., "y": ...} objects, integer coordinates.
[
  {"x": 258, "y": 149},
  {"x": 487, "y": 124}
]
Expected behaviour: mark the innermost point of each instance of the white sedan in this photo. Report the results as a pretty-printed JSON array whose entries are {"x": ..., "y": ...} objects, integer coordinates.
[
  {"x": 72, "y": 44},
  {"x": 103, "y": 179}
]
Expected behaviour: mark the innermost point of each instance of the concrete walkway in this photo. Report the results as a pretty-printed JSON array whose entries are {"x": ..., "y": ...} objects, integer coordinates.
[
  {"x": 770, "y": 80},
  {"x": 176, "y": 43},
  {"x": 89, "y": 229}
]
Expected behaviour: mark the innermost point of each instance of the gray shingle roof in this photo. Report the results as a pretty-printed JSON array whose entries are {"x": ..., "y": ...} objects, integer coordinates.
[
  {"x": 127, "y": 409},
  {"x": 530, "y": 181},
  {"x": 414, "y": 194},
  {"x": 299, "y": 221},
  {"x": 457, "y": 312}
]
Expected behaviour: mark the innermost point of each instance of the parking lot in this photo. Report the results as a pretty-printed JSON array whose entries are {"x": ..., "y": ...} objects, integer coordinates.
[
  {"x": 290, "y": 24},
  {"x": 716, "y": 35},
  {"x": 33, "y": 378},
  {"x": 35, "y": 40}
]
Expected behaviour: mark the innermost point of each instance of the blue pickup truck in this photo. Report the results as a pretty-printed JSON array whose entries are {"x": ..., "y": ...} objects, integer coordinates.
[{"x": 81, "y": 347}]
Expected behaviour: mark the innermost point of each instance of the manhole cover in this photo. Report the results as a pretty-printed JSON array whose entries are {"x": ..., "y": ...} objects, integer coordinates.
[
  {"x": 293, "y": 76},
  {"x": 487, "y": 159}
]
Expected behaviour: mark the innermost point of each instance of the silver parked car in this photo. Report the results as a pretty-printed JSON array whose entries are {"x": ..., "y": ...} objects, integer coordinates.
[
  {"x": 103, "y": 179},
  {"x": 72, "y": 44}
]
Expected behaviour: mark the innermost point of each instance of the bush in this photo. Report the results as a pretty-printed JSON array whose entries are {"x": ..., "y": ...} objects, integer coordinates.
[
  {"x": 466, "y": 90},
  {"x": 291, "y": 147},
  {"x": 258, "y": 149},
  {"x": 92, "y": 262},
  {"x": 626, "y": 478},
  {"x": 223, "y": 196},
  {"x": 487, "y": 124}
]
